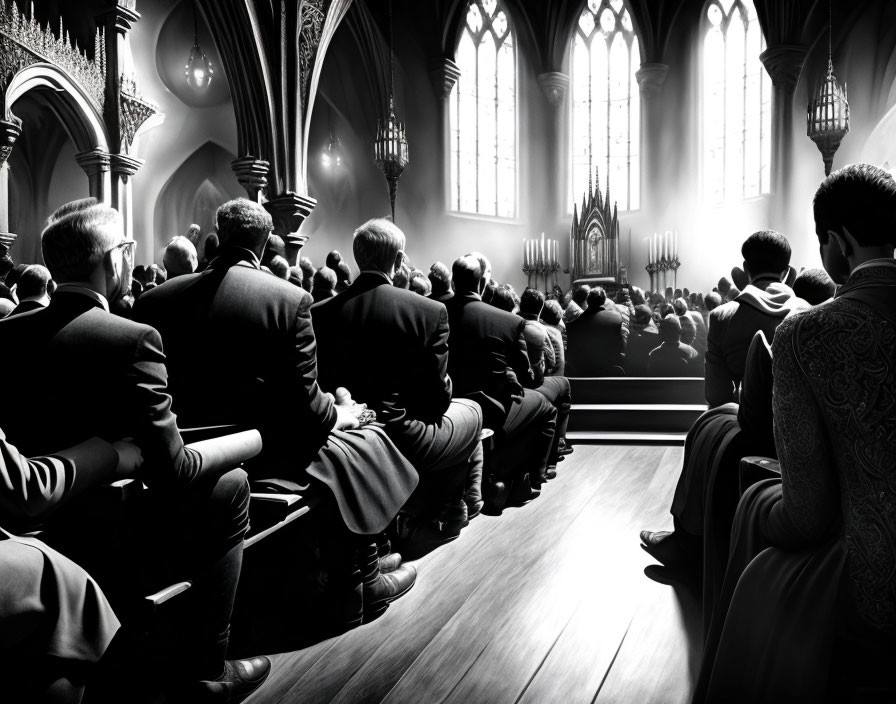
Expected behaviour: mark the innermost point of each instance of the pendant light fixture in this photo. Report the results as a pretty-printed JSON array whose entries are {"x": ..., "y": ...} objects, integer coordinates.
[
  {"x": 199, "y": 70},
  {"x": 828, "y": 114}
]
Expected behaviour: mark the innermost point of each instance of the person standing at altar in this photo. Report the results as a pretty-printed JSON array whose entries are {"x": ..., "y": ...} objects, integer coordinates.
[{"x": 762, "y": 305}]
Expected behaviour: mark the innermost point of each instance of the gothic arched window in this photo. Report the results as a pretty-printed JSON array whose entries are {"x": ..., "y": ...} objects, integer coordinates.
[
  {"x": 606, "y": 107},
  {"x": 737, "y": 99},
  {"x": 482, "y": 115}
]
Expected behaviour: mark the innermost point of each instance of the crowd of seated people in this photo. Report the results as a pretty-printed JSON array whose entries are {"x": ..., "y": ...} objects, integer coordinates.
[
  {"x": 794, "y": 565},
  {"x": 399, "y": 459}
]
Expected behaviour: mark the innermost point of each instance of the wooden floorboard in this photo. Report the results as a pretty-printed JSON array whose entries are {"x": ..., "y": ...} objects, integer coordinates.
[{"x": 547, "y": 603}]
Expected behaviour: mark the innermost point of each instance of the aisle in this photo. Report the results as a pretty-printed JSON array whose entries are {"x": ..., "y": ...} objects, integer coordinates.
[{"x": 547, "y": 603}]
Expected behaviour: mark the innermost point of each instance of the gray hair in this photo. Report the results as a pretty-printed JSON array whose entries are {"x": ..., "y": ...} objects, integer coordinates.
[
  {"x": 244, "y": 223},
  {"x": 376, "y": 244},
  {"x": 74, "y": 244},
  {"x": 180, "y": 257}
]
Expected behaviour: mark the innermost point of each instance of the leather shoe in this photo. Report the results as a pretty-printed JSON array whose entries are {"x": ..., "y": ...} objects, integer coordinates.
[
  {"x": 390, "y": 562},
  {"x": 672, "y": 577},
  {"x": 414, "y": 537},
  {"x": 387, "y": 588},
  {"x": 550, "y": 472},
  {"x": 494, "y": 495},
  {"x": 474, "y": 508},
  {"x": 453, "y": 518},
  {"x": 666, "y": 548},
  {"x": 240, "y": 679}
]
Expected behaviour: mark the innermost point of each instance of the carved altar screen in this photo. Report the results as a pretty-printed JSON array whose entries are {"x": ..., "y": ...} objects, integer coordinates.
[{"x": 594, "y": 237}]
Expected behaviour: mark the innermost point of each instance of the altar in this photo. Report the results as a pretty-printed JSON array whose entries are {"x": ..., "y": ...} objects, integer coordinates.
[{"x": 594, "y": 241}]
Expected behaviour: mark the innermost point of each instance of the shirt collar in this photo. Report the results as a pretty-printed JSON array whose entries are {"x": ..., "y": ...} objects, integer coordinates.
[
  {"x": 376, "y": 272},
  {"x": 882, "y": 261},
  {"x": 84, "y": 291}
]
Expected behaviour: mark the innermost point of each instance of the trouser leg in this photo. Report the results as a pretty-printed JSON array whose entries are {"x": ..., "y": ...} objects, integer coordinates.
[
  {"x": 556, "y": 390},
  {"x": 524, "y": 443}
]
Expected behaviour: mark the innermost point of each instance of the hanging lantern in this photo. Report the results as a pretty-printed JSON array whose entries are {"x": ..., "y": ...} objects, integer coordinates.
[
  {"x": 199, "y": 70},
  {"x": 390, "y": 150},
  {"x": 828, "y": 114}
]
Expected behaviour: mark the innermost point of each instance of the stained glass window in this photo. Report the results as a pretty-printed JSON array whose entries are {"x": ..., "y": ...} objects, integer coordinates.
[
  {"x": 737, "y": 99},
  {"x": 482, "y": 115},
  {"x": 606, "y": 107}
]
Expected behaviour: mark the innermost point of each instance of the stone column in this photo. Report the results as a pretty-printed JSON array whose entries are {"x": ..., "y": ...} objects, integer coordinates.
[
  {"x": 289, "y": 212},
  {"x": 444, "y": 74},
  {"x": 651, "y": 78},
  {"x": 784, "y": 63},
  {"x": 9, "y": 133},
  {"x": 97, "y": 165},
  {"x": 252, "y": 175},
  {"x": 123, "y": 168}
]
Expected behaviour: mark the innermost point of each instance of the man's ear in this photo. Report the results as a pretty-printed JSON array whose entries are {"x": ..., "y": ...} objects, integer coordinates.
[
  {"x": 399, "y": 258},
  {"x": 747, "y": 272},
  {"x": 843, "y": 243}
]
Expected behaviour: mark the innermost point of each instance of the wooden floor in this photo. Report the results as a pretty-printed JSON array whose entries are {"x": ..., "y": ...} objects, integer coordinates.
[{"x": 547, "y": 603}]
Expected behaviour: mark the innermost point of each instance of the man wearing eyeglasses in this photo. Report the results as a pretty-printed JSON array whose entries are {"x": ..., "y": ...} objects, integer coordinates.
[{"x": 76, "y": 371}]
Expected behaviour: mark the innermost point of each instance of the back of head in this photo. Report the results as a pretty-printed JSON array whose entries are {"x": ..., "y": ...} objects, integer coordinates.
[
  {"x": 466, "y": 272},
  {"x": 503, "y": 299},
  {"x": 402, "y": 276},
  {"x": 531, "y": 302},
  {"x": 324, "y": 279},
  {"x": 668, "y": 293},
  {"x": 666, "y": 309},
  {"x": 295, "y": 276},
  {"x": 14, "y": 274},
  {"x": 724, "y": 285},
  {"x": 552, "y": 313},
  {"x": 670, "y": 328},
  {"x": 71, "y": 207},
  {"x": 210, "y": 247},
  {"x": 680, "y": 306},
  {"x": 596, "y": 298},
  {"x": 439, "y": 279},
  {"x": 688, "y": 329},
  {"x": 419, "y": 283},
  {"x": 244, "y": 223},
  {"x": 712, "y": 300},
  {"x": 333, "y": 259},
  {"x": 34, "y": 282},
  {"x": 376, "y": 245},
  {"x": 343, "y": 272},
  {"x": 678, "y": 293},
  {"x": 580, "y": 294},
  {"x": 637, "y": 296},
  {"x": 765, "y": 252},
  {"x": 643, "y": 316},
  {"x": 180, "y": 257},
  {"x": 6, "y": 294},
  {"x": 733, "y": 293},
  {"x": 75, "y": 244},
  {"x": 279, "y": 267},
  {"x": 814, "y": 286},
  {"x": 274, "y": 247},
  {"x": 860, "y": 198}
]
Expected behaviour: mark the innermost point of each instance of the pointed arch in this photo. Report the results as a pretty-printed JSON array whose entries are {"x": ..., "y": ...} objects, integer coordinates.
[
  {"x": 736, "y": 94},
  {"x": 483, "y": 114},
  {"x": 605, "y": 117}
]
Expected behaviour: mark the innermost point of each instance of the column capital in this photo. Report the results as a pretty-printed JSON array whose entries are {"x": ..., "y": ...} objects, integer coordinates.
[
  {"x": 651, "y": 77},
  {"x": 124, "y": 166},
  {"x": 9, "y": 133},
  {"x": 784, "y": 63},
  {"x": 94, "y": 162},
  {"x": 289, "y": 211},
  {"x": 554, "y": 85},
  {"x": 121, "y": 16},
  {"x": 252, "y": 174},
  {"x": 443, "y": 74}
]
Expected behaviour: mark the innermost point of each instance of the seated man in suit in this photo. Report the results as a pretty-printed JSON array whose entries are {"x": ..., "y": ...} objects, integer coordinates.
[
  {"x": 33, "y": 289},
  {"x": 241, "y": 349},
  {"x": 180, "y": 257},
  {"x": 762, "y": 305},
  {"x": 555, "y": 389},
  {"x": 672, "y": 357},
  {"x": 440, "y": 279},
  {"x": 83, "y": 373},
  {"x": 641, "y": 341},
  {"x": 595, "y": 344},
  {"x": 402, "y": 338},
  {"x": 682, "y": 310},
  {"x": 488, "y": 364}
]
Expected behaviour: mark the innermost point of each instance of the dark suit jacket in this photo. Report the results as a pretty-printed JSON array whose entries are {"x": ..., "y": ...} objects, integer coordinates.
[
  {"x": 26, "y": 307},
  {"x": 488, "y": 358},
  {"x": 673, "y": 359},
  {"x": 81, "y": 372},
  {"x": 388, "y": 346},
  {"x": 594, "y": 343},
  {"x": 241, "y": 349},
  {"x": 641, "y": 341}
]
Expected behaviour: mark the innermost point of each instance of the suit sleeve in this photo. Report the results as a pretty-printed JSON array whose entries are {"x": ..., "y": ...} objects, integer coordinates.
[
  {"x": 315, "y": 410},
  {"x": 809, "y": 506},
  {"x": 519, "y": 359},
  {"x": 436, "y": 384},
  {"x": 167, "y": 462},
  {"x": 32, "y": 488},
  {"x": 719, "y": 383}
]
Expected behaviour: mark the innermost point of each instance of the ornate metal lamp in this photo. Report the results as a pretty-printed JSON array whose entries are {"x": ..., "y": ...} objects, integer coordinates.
[
  {"x": 199, "y": 70},
  {"x": 828, "y": 115},
  {"x": 390, "y": 150}
]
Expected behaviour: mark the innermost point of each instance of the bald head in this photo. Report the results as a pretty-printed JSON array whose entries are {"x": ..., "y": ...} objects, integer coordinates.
[
  {"x": 34, "y": 283},
  {"x": 466, "y": 272},
  {"x": 180, "y": 257},
  {"x": 377, "y": 244},
  {"x": 75, "y": 244}
]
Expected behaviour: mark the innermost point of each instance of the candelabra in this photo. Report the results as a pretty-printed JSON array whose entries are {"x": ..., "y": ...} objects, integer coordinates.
[
  {"x": 659, "y": 273},
  {"x": 541, "y": 257}
]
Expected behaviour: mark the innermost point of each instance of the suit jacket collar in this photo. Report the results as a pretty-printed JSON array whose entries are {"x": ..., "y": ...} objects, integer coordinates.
[
  {"x": 468, "y": 296},
  {"x": 72, "y": 295},
  {"x": 231, "y": 256},
  {"x": 877, "y": 272},
  {"x": 369, "y": 280}
]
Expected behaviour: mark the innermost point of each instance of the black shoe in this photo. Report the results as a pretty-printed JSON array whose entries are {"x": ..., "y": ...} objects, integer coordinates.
[
  {"x": 385, "y": 589},
  {"x": 474, "y": 508},
  {"x": 415, "y": 538},
  {"x": 454, "y": 518},
  {"x": 522, "y": 493},
  {"x": 667, "y": 548},
  {"x": 390, "y": 562},
  {"x": 672, "y": 577},
  {"x": 240, "y": 679},
  {"x": 550, "y": 472},
  {"x": 494, "y": 496}
]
